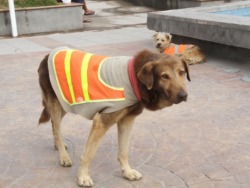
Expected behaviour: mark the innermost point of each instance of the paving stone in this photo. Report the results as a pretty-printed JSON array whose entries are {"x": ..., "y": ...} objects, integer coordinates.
[{"x": 202, "y": 143}]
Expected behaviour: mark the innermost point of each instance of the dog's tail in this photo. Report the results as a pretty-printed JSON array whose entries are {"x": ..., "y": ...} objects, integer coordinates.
[{"x": 45, "y": 117}]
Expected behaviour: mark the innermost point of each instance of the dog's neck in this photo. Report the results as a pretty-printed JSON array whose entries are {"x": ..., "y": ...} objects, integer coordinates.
[
  {"x": 161, "y": 50},
  {"x": 133, "y": 79}
]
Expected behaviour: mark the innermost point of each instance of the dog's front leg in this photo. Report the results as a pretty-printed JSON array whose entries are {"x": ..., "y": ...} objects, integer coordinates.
[
  {"x": 97, "y": 131},
  {"x": 124, "y": 132}
]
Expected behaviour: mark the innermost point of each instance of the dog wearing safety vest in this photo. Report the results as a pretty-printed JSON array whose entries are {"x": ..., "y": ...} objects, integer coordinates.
[
  {"x": 192, "y": 54},
  {"x": 107, "y": 90}
]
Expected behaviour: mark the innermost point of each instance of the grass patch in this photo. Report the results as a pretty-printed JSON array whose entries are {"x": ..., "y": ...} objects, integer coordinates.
[{"x": 28, "y": 3}]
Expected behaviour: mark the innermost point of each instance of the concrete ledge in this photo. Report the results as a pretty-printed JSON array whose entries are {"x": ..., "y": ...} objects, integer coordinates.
[
  {"x": 200, "y": 23},
  {"x": 177, "y": 4},
  {"x": 157, "y": 4},
  {"x": 200, "y": 3},
  {"x": 47, "y": 19}
]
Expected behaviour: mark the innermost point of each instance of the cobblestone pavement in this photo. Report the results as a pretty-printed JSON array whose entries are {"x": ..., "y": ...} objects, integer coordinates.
[
  {"x": 114, "y": 14},
  {"x": 203, "y": 143}
]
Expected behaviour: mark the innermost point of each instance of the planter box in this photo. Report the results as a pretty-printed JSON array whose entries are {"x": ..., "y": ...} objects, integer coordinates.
[{"x": 66, "y": 17}]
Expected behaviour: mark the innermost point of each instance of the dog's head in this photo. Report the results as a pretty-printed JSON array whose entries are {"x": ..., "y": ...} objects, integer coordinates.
[
  {"x": 164, "y": 78},
  {"x": 161, "y": 40}
]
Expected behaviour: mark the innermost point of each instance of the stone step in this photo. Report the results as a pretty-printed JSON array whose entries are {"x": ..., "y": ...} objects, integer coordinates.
[{"x": 177, "y": 4}]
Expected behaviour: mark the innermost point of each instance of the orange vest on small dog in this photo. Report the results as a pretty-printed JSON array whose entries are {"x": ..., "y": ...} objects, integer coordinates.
[{"x": 177, "y": 48}]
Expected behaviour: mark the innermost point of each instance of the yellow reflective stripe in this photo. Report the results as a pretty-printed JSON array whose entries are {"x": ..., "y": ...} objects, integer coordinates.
[
  {"x": 68, "y": 75},
  {"x": 84, "y": 76}
]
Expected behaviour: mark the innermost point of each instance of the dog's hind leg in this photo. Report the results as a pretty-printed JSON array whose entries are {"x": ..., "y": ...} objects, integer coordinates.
[
  {"x": 124, "y": 132},
  {"x": 56, "y": 113},
  {"x": 52, "y": 110},
  {"x": 54, "y": 133}
]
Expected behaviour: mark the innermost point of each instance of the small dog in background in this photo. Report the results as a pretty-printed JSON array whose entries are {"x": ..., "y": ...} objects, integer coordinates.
[{"x": 192, "y": 54}]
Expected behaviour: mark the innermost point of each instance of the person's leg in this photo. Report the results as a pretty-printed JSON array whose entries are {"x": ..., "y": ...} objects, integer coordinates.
[{"x": 86, "y": 10}]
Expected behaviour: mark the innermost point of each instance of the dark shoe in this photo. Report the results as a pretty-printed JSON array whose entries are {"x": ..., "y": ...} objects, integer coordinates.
[{"x": 89, "y": 13}]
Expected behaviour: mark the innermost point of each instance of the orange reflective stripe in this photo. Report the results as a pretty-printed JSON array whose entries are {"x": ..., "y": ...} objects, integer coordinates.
[
  {"x": 170, "y": 50},
  {"x": 182, "y": 48},
  {"x": 177, "y": 49},
  {"x": 97, "y": 90},
  {"x": 59, "y": 68}
]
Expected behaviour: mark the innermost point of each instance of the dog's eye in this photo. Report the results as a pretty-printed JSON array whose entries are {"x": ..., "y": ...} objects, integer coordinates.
[
  {"x": 165, "y": 76},
  {"x": 182, "y": 73},
  {"x": 162, "y": 40}
]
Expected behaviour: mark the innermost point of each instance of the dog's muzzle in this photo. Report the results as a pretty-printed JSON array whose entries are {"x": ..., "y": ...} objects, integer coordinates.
[
  {"x": 182, "y": 96},
  {"x": 158, "y": 45}
]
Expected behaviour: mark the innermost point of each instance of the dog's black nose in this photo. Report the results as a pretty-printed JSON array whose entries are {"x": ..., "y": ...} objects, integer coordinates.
[
  {"x": 158, "y": 44},
  {"x": 182, "y": 96}
]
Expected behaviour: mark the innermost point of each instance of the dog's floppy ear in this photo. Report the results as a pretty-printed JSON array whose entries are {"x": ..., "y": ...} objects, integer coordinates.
[
  {"x": 168, "y": 36},
  {"x": 155, "y": 35},
  {"x": 186, "y": 66},
  {"x": 146, "y": 76}
]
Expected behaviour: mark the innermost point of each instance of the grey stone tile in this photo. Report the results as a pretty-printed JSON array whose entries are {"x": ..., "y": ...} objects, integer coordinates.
[
  {"x": 203, "y": 143},
  {"x": 24, "y": 45}
]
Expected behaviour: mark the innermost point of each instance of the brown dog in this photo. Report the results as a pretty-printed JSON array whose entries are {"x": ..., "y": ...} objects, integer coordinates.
[
  {"x": 157, "y": 81},
  {"x": 192, "y": 54}
]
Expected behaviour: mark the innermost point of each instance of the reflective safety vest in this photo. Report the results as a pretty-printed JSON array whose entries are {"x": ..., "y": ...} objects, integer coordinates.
[
  {"x": 78, "y": 78},
  {"x": 177, "y": 48},
  {"x": 87, "y": 84}
]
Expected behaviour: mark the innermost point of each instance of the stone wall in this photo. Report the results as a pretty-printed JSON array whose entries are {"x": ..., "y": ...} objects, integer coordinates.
[
  {"x": 177, "y": 4},
  {"x": 43, "y": 19},
  {"x": 157, "y": 4}
]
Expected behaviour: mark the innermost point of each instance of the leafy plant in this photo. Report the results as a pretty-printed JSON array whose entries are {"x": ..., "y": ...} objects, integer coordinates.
[{"x": 28, "y": 3}]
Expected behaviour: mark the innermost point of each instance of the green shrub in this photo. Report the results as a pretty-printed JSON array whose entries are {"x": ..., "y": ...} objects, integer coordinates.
[
  {"x": 3, "y": 4},
  {"x": 28, "y": 3}
]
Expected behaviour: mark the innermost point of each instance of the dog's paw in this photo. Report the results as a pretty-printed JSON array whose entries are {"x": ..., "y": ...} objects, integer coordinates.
[
  {"x": 85, "y": 181},
  {"x": 65, "y": 161},
  {"x": 132, "y": 174}
]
